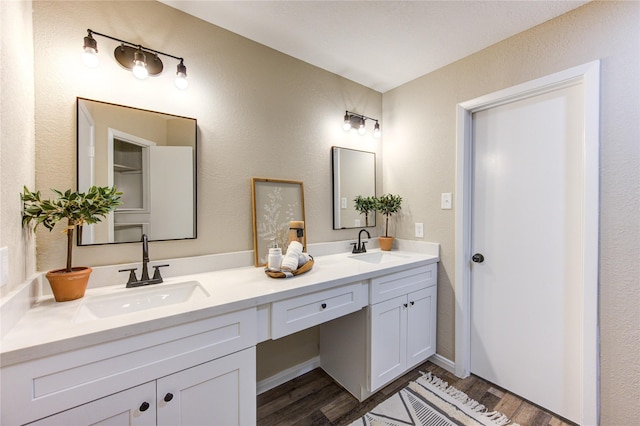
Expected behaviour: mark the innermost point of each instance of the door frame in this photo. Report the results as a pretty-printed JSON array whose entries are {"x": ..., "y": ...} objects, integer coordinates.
[{"x": 588, "y": 75}]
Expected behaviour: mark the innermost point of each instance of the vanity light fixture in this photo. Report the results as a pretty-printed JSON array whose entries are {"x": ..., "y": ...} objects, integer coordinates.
[
  {"x": 142, "y": 61},
  {"x": 357, "y": 121}
]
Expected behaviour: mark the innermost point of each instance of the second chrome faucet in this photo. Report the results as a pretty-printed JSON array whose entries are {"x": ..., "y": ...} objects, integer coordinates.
[{"x": 144, "y": 278}]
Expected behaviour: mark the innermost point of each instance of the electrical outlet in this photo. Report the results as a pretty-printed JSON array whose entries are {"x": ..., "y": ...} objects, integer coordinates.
[
  {"x": 419, "y": 230},
  {"x": 4, "y": 266},
  {"x": 446, "y": 201},
  {"x": 343, "y": 203},
  {"x": 357, "y": 223}
]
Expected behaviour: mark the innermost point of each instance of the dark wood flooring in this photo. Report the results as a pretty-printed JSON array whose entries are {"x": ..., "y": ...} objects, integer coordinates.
[{"x": 315, "y": 399}]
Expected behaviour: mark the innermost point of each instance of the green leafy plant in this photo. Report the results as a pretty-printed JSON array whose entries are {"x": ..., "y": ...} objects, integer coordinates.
[
  {"x": 364, "y": 205},
  {"x": 388, "y": 205},
  {"x": 77, "y": 208}
]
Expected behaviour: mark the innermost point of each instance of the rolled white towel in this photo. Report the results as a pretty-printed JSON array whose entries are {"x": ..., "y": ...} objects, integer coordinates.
[
  {"x": 290, "y": 261},
  {"x": 304, "y": 258}
]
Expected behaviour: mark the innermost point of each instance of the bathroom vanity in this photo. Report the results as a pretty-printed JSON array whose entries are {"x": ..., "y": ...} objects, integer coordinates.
[{"x": 193, "y": 358}]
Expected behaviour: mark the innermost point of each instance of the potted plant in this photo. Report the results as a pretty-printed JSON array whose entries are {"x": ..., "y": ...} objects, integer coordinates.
[
  {"x": 388, "y": 205},
  {"x": 77, "y": 208},
  {"x": 364, "y": 205}
]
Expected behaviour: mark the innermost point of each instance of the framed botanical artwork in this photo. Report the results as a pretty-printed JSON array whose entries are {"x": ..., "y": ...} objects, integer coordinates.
[{"x": 275, "y": 204}]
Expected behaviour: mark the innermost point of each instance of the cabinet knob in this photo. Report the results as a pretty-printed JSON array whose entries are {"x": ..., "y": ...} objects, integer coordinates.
[
  {"x": 405, "y": 305},
  {"x": 323, "y": 306},
  {"x": 144, "y": 406},
  {"x": 168, "y": 397},
  {"x": 477, "y": 258},
  {"x": 412, "y": 303}
]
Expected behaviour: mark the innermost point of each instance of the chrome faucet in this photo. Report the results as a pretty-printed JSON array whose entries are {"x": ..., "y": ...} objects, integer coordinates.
[
  {"x": 144, "y": 279},
  {"x": 360, "y": 247}
]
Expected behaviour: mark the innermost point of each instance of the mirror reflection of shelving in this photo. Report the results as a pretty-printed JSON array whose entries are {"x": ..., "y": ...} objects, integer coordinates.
[
  {"x": 128, "y": 174},
  {"x": 131, "y": 177}
]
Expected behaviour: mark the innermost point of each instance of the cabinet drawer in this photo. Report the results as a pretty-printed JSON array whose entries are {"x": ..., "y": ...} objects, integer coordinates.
[
  {"x": 295, "y": 314},
  {"x": 49, "y": 385},
  {"x": 393, "y": 285}
]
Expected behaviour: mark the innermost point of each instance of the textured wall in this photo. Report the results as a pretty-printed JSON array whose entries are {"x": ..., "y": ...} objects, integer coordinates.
[
  {"x": 17, "y": 156},
  {"x": 420, "y": 119},
  {"x": 260, "y": 113}
]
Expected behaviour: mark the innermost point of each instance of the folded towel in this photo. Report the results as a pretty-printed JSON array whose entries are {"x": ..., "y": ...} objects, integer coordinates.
[
  {"x": 304, "y": 258},
  {"x": 290, "y": 261}
]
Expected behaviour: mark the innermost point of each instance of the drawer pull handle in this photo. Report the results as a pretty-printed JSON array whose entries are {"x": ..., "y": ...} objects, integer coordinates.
[
  {"x": 168, "y": 397},
  {"x": 324, "y": 306},
  {"x": 144, "y": 406}
]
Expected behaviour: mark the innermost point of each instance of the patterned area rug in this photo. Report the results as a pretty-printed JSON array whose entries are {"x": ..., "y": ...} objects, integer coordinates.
[{"x": 430, "y": 401}]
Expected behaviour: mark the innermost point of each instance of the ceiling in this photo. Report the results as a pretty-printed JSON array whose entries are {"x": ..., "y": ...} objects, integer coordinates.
[{"x": 379, "y": 44}]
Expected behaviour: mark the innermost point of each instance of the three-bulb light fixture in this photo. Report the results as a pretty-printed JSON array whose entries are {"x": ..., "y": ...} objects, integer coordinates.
[
  {"x": 140, "y": 60},
  {"x": 357, "y": 121}
]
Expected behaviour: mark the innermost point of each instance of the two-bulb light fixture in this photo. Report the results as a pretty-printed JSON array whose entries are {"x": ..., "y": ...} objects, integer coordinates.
[
  {"x": 357, "y": 121},
  {"x": 140, "y": 60}
]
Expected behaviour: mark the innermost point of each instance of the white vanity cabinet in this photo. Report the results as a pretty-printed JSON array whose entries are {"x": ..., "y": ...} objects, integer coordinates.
[
  {"x": 216, "y": 392},
  {"x": 368, "y": 349},
  {"x": 207, "y": 365}
]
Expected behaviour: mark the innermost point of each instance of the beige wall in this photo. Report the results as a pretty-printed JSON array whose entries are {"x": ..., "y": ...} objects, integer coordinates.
[
  {"x": 260, "y": 113},
  {"x": 17, "y": 158},
  {"x": 419, "y": 146}
]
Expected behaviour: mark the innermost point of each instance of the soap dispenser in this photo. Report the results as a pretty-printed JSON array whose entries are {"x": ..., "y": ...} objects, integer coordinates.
[{"x": 275, "y": 257}]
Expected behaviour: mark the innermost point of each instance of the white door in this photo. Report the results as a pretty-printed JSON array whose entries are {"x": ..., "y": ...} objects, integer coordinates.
[
  {"x": 219, "y": 392},
  {"x": 388, "y": 340},
  {"x": 421, "y": 329},
  {"x": 527, "y": 222},
  {"x": 172, "y": 192},
  {"x": 133, "y": 407}
]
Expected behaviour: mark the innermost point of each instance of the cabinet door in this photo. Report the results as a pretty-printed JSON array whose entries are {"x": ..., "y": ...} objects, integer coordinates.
[
  {"x": 219, "y": 392},
  {"x": 134, "y": 407},
  {"x": 421, "y": 321},
  {"x": 388, "y": 340}
]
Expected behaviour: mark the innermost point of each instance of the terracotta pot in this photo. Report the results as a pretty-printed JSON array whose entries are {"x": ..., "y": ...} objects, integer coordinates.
[
  {"x": 385, "y": 243},
  {"x": 69, "y": 285}
]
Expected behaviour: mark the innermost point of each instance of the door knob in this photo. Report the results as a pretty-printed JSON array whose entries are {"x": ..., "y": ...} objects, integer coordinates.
[{"x": 478, "y": 258}]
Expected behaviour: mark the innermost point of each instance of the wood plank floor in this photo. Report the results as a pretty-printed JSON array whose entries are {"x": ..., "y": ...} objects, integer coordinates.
[{"x": 315, "y": 399}]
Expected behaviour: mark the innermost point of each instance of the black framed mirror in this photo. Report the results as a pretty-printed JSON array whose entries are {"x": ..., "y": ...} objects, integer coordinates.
[
  {"x": 151, "y": 158},
  {"x": 354, "y": 173}
]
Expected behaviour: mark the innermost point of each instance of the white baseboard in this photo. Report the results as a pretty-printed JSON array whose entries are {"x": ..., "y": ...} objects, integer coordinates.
[
  {"x": 443, "y": 362},
  {"x": 288, "y": 374}
]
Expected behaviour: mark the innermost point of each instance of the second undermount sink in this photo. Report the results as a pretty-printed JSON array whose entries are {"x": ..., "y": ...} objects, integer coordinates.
[
  {"x": 139, "y": 299},
  {"x": 378, "y": 257}
]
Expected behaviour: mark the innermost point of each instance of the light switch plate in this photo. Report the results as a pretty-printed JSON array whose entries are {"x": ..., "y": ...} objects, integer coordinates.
[
  {"x": 357, "y": 223},
  {"x": 446, "y": 201},
  {"x": 343, "y": 202},
  {"x": 419, "y": 230},
  {"x": 4, "y": 266}
]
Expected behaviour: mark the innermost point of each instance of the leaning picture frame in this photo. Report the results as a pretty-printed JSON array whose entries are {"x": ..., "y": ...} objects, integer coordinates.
[{"x": 275, "y": 203}]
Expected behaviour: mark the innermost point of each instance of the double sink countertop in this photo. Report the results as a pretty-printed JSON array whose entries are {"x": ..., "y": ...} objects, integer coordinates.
[{"x": 49, "y": 327}]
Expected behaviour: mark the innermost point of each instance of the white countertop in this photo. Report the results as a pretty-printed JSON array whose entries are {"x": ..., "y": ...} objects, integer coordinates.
[{"x": 49, "y": 328}]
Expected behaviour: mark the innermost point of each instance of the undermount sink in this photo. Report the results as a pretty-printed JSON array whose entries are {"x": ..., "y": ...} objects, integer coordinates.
[
  {"x": 378, "y": 257},
  {"x": 139, "y": 299}
]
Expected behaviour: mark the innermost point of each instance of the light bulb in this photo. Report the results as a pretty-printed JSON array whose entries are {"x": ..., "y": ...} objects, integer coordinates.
[
  {"x": 89, "y": 57},
  {"x": 362, "y": 130},
  {"x": 376, "y": 131},
  {"x": 347, "y": 122},
  {"x": 181, "y": 79},
  {"x": 90, "y": 48},
  {"x": 140, "y": 65}
]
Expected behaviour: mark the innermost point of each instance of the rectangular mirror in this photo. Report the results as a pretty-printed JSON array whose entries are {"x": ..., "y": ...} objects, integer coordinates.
[
  {"x": 354, "y": 173},
  {"x": 151, "y": 158}
]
